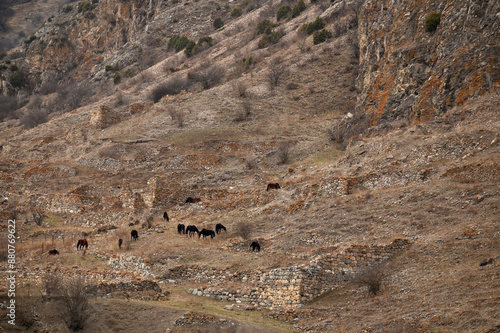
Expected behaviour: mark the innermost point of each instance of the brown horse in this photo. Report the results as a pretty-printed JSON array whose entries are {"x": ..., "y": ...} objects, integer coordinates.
[
  {"x": 53, "y": 252},
  {"x": 82, "y": 243},
  {"x": 273, "y": 186}
]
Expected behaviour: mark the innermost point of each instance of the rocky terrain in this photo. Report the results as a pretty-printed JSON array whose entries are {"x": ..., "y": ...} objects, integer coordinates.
[{"x": 383, "y": 138}]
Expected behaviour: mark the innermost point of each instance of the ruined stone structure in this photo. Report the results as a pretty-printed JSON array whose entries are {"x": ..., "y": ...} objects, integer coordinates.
[
  {"x": 290, "y": 286},
  {"x": 104, "y": 117}
]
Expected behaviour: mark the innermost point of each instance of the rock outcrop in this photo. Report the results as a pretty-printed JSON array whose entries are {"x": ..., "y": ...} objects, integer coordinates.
[{"x": 408, "y": 72}]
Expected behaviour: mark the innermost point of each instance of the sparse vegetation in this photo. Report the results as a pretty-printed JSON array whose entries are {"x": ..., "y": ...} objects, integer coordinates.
[
  {"x": 244, "y": 229},
  {"x": 270, "y": 37},
  {"x": 76, "y": 309},
  {"x": 321, "y": 36},
  {"x": 208, "y": 75},
  {"x": 236, "y": 12},
  {"x": 18, "y": 79},
  {"x": 311, "y": 27},
  {"x": 298, "y": 8},
  {"x": 283, "y": 12},
  {"x": 218, "y": 23},
  {"x": 177, "y": 116},
  {"x": 172, "y": 87},
  {"x": 432, "y": 21}
]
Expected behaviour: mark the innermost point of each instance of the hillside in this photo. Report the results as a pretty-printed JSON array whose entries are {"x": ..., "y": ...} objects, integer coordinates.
[{"x": 383, "y": 138}]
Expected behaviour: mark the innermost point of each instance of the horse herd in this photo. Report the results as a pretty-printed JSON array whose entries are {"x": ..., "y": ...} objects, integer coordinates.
[{"x": 190, "y": 230}]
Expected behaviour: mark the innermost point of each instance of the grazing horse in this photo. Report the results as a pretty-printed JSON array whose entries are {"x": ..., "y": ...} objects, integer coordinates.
[
  {"x": 181, "y": 229},
  {"x": 191, "y": 229},
  {"x": 82, "y": 243},
  {"x": 165, "y": 216},
  {"x": 134, "y": 235},
  {"x": 53, "y": 252},
  {"x": 120, "y": 242},
  {"x": 205, "y": 233},
  {"x": 273, "y": 186},
  {"x": 192, "y": 200},
  {"x": 255, "y": 246},
  {"x": 219, "y": 227}
]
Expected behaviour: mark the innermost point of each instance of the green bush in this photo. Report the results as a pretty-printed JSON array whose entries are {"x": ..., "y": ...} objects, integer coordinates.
[
  {"x": 172, "y": 87},
  {"x": 129, "y": 72},
  {"x": 218, "y": 23},
  {"x": 311, "y": 27},
  {"x": 298, "y": 8},
  {"x": 263, "y": 25},
  {"x": 172, "y": 41},
  {"x": 117, "y": 77},
  {"x": 3, "y": 55},
  {"x": 13, "y": 67},
  {"x": 236, "y": 12},
  {"x": 206, "y": 39},
  {"x": 432, "y": 21},
  {"x": 283, "y": 12},
  {"x": 18, "y": 79},
  {"x": 181, "y": 43},
  {"x": 109, "y": 68},
  {"x": 84, "y": 6},
  {"x": 189, "y": 48},
  {"x": 270, "y": 37},
  {"x": 320, "y": 36}
]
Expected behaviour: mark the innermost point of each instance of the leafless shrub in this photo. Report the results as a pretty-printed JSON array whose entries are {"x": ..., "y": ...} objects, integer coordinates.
[
  {"x": 283, "y": 153},
  {"x": 177, "y": 116},
  {"x": 208, "y": 75},
  {"x": 276, "y": 73},
  {"x": 244, "y": 229},
  {"x": 52, "y": 283},
  {"x": 76, "y": 308},
  {"x": 25, "y": 311},
  {"x": 8, "y": 104},
  {"x": 72, "y": 96},
  {"x": 241, "y": 89},
  {"x": 34, "y": 114},
  {"x": 243, "y": 113},
  {"x": 371, "y": 277},
  {"x": 173, "y": 86},
  {"x": 149, "y": 221},
  {"x": 251, "y": 164},
  {"x": 38, "y": 215},
  {"x": 347, "y": 127}
]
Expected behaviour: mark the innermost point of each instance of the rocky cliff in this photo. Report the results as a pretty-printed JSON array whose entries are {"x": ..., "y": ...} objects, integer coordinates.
[{"x": 408, "y": 72}]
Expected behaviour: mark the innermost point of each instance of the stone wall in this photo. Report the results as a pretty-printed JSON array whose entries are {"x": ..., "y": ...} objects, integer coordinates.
[
  {"x": 104, "y": 117},
  {"x": 287, "y": 287}
]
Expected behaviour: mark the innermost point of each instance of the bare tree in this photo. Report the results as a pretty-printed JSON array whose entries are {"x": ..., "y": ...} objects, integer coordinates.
[
  {"x": 244, "y": 229},
  {"x": 276, "y": 72},
  {"x": 76, "y": 308},
  {"x": 38, "y": 215},
  {"x": 283, "y": 152},
  {"x": 177, "y": 116}
]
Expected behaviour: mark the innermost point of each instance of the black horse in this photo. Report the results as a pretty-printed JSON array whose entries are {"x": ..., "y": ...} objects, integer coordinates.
[
  {"x": 120, "y": 242},
  {"x": 273, "y": 186},
  {"x": 134, "y": 235},
  {"x": 191, "y": 229},
  {"x": 82, "y": 243},
  {"x": 165, "y": 216},
  {"x": 255, "y": 246},
  {"x": 181, "y": 229},
  {"x": 219, "y": 227},
  {"x": 192, "y": 200},
  {"x": 205, "y": 233}
]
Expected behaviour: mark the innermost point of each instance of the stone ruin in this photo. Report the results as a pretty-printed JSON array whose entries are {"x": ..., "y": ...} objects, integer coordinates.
[{"x": 289, "y": 287}]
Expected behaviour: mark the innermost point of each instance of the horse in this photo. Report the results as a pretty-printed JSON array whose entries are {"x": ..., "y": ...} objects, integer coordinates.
[
  {"x": 219, "y": 227},
  {"x": 131, "y": 224},
  {"x": 192, "y": 200},
  {"x": 273, "y": 186},
  {"x": 181, "y": 229},
  {"x": 255, "y": 246},
  {"x": 205, "y": 233},
  {"x": 191, "y": 229},
  {"x": 165, "y": 216},
  {"x": 134, "y": 235},
  {"x": 53, "y": 252},
  {"x": 120, "y": 242},
  {"x": 81, "y": 244}
]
